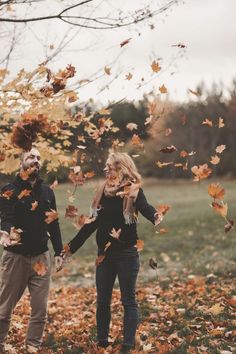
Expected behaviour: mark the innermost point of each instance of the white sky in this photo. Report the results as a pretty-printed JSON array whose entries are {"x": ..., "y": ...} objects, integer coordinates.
[{"x": 207, "y": 27}]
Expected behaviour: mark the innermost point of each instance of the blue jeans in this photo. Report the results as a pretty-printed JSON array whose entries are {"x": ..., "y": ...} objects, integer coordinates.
[{"x": 125, "y": 265}]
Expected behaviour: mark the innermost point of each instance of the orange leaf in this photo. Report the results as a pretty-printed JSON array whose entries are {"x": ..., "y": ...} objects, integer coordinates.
[
  {"x": 163, "y": 89},
  {"x": 128, "y": 76},
  {"x": 207, "y": 122},
  {"x": 139, "y": 245},
  {"x": 221, "y": 209},
  {"x": 24, "y": 193},
  {"x": 136, "y": 140},
  {"x": 215, "y": 160},
  {"x": 34, "y": 205},
  {"x": 201, "y": 172},
  {"x": 7, "y": 194},
  {"x": 163, "y": 209},
  {"x": 40, "y": 268},
  {"x": 216, "y": 191},
  {"x": 89, "y": 174},
  {"x": 51, "y": 216},
  {"x": 115, "y": 233},
  {"x": 155, "y": 66}
]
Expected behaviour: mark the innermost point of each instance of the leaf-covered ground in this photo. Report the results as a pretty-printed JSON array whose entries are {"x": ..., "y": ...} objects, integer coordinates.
[{"x": 178, "y": 314}]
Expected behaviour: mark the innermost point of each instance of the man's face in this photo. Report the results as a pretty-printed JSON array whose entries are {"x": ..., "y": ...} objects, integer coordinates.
[{"x": 32, "y": 158}]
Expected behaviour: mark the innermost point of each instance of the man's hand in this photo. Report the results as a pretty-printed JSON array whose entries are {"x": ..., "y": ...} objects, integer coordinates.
[
  {"x": 5, "y": 240},
  {"x": 58, "y": 263},
  {"x": 158, "y": 218}
]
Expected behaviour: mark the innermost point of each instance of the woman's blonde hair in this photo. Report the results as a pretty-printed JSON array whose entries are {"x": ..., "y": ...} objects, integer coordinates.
[{"x": 122, "y": 162}]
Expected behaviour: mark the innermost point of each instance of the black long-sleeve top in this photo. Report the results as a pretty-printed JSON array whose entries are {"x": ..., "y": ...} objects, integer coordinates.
[
  {"x": 15, "y": 212},
  {"x": 111, "y": 216}
]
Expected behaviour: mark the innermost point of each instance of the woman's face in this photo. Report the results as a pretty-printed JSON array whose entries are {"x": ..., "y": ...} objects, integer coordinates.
[{"x": 110, "y": 171}]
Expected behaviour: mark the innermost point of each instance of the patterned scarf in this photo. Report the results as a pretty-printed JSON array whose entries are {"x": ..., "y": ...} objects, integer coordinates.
[{"x": 126, "y": 189}]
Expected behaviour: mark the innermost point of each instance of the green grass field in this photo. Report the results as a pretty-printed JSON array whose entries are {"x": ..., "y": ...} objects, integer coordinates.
[{"x": 195, "y": 241}]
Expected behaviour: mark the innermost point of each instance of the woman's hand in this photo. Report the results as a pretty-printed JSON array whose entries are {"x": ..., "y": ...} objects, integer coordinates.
[
  {"x": 158, "y": 218},
  {"x": 66, "y": 255}
]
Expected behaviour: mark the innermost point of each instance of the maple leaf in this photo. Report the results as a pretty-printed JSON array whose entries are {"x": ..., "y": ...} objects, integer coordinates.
[
  {"x": 40, "y": 268},
  {"x": 34, "y": 205},
  {"x": 207, "y": 122},
  {"x": 163, "y": 89},
  {"x": 221, "y": 209},
  {"x": 15, "y": 236},
  {"x": 136, "y": 140},
  {"x": 82, "y": 220},
  {"x": 51, "y": 216},
  {"x": 216, "y": 191},
  {"x": 155, "y": 66},
  {"x": 132, "y": 126},
  {"x": 168, "y": 149},
  {"x": 215, "y": 160},
  {"x": 220, "y": 149},
  {"x": 162, "y": 164},
  {"x": 201, "y": 172},
  {"x": 71, "y": 211},
  {"x": 139, "y": 245},
  {"x": 128, "y": 76},
  {"x": 7, "y": 194},
  {"x": 115, "y": 233},
  {"x": 107, "y": 70},
  {"x": 221, "y": 123},
  {"x": 24, "y": 193},
  {"x": 163, "y": 209},
  {"x": 126, "y": 41}
]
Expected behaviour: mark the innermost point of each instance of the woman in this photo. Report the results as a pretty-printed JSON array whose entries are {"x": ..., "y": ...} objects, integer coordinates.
[{"x": 114, "y": 214}]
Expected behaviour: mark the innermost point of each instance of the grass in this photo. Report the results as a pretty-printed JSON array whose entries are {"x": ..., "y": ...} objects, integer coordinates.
[{"x": 195, "y": 240}]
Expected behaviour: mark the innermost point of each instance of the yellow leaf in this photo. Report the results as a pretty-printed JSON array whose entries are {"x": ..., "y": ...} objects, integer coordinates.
[
  {"x": 155, "y": 66},
  {"x": 216, "y": 191},
  {"x": 163, "y": 89},
  {"x": 216, "y": 309}
]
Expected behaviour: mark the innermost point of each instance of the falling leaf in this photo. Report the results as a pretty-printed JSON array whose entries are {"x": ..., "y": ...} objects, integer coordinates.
[
  {"x": 115, "y": 233},
  {"x": 229, "y": 225},
  {"x": 195, "y": 93},
  {"x": 152, "y": 263},
  {"x": 221, "y": 123},
  {"x": 139, "y": 245},
  {"x": 51, "y": 216},
  {"x": 163, "y": 89},
  {"x": 126, "y": 41},
  {"x": 24, "y": 193},
  {"x": 7, "y": 194},
  {"x": 128, "y": 76},
  {"x": 89, "y": 174},
  {"x": 107, "y": 70},
  {"x": 168, "y": 149},
  {"x": 40, "y": 268},
  {"x": 221, "y": 209},
  {"x": 15, "y": 236},
  {"x": 136, "y": 140},
  {"x": 184, "y": 153},
  {"x": 216, "y": 191},
  {"x": 179, "y": 45},
  {"x": 34, "y": 205},
  {"x": 215, "y": 160},
  {"x": 162, "y": 231},
  {"x": 207, "y": 122},
  {"x": 132, "y": 126},
  {"x": 71, "y": 211},
  {"x": 162, "y": 164},
  {"x": 155, "y": 66},
  {"x": 82, "y": 220},
  {"x": 201, "y": 172},
  {"x": 220, "y": 149},
  {"x": 148, "y": 120},
  {"x": 163, "y": 209},
  {"x": 54, "y": 184}
]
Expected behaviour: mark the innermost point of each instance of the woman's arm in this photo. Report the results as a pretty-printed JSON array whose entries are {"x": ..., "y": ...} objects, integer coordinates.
[
  {"x": 147, "y": 210},
  {"x": 82, "y": 235}
]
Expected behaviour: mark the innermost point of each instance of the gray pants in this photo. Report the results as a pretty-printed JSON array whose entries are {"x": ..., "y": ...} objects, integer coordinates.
[{"x": 16, "y": 273}]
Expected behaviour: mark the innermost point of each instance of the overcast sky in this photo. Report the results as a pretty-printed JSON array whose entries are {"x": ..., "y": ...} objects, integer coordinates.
[{"x": 206, "y": 27}]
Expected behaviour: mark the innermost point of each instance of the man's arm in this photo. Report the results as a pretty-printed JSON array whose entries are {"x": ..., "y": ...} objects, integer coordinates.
[
  {"x": 7, "y": 201},
  {"x": 54, "y": 229}
]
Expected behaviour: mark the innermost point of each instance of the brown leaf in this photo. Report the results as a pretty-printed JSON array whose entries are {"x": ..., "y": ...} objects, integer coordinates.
[
  {"x": 40, "y": 268},
  {"x": 51, "y": 216},
  {"x": 221, "y": 209},
  {"x": 201, "y": 172},
  {"x": 136, "y": 140},
  {"x": 7, "y": 194},
  {"x": 107, "y": 70},
  {"x": 139, "y": 245},
  {"x": 163, "y": 89},
  {"x": 126, "y": 41},
  {"x": 155, "y": 66},
  {"x": 215, "y": 160},
  {"x": 168, "y": 149},
  {"x": 163, "y": 209},
  {"x": 34, "y": 205},
  {"x": 71, "y": 211},
  {"x": 152, "y": 263},
  {"x": 115, "y": 233},
  {"x": 128, "y": 76},
  {"x": 216, "y": 191},
  {"x": 24, "y": 193},
  {"x": 207, "y": 122},
  {"x": 229, "y": 225}
]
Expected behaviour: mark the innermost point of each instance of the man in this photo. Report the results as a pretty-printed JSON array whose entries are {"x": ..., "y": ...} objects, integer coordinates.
[{"x": 28, "y": 218}]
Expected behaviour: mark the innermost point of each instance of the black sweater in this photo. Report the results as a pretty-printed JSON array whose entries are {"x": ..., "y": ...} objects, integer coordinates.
[
  {"x": 17, "y": 213},
  {"x": 111, "y": 216}
]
